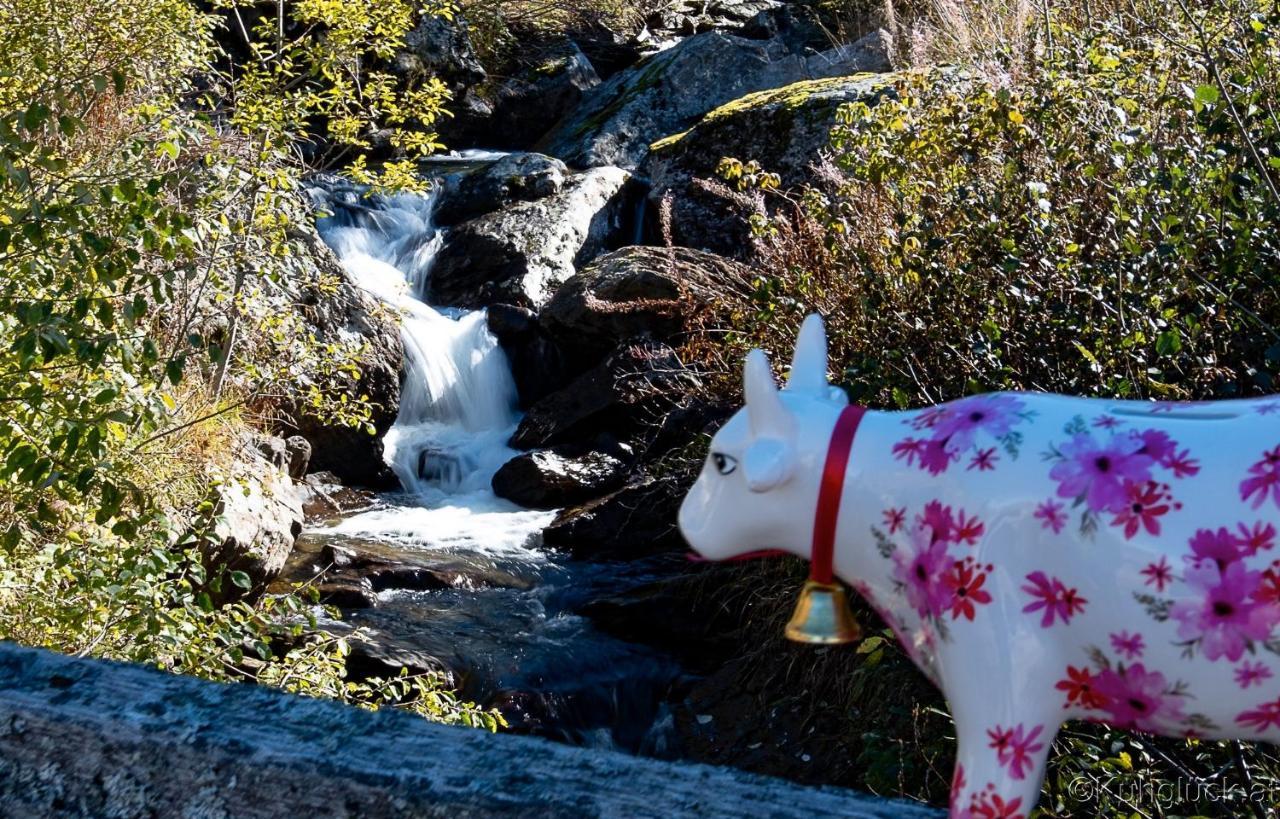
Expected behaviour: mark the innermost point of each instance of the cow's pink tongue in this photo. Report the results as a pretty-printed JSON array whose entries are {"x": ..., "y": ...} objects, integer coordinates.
[{"x": 694, "y": 557}]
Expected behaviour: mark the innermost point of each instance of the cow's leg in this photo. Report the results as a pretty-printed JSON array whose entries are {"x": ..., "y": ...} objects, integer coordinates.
[{"x": 1000, "y": 761}]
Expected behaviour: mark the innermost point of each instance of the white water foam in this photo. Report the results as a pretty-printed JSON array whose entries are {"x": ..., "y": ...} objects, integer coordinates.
[{"x": 458, "y": 406}]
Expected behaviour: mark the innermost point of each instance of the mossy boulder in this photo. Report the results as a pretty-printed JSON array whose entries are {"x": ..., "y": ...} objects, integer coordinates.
[
  {"x": 785, "y": 129},
  {"x": 671, "y": 90}
]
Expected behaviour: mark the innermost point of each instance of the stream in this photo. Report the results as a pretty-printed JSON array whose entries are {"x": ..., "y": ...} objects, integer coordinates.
[{"x": 517, "y": 643}]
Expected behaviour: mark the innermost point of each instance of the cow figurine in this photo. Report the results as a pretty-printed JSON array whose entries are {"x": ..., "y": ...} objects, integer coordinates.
[{"x": 1039, "y": 557}]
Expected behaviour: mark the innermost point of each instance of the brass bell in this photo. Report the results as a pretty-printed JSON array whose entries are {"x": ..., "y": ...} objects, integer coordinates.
[{"x": 822, "y": 616}]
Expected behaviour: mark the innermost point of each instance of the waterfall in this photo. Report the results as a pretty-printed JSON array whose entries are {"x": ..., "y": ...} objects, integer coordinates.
[{"x": 458, "y": 406}]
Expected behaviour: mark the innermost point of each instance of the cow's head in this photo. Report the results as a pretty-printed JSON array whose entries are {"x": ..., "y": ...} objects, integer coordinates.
[{"x": 759, "y": 486}]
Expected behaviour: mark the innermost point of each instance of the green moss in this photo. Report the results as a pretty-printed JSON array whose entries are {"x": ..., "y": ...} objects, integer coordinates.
[{"x": 649, "y": 78}]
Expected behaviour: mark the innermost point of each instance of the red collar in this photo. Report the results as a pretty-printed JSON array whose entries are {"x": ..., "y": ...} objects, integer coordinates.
[{"x": 828, "y": 513}]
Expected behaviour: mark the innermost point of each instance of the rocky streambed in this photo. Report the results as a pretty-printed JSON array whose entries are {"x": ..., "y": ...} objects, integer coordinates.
[{"x": 512, "y": 523}]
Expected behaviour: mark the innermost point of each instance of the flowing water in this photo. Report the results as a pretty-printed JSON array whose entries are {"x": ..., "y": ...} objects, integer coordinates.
[{"x": 520, "y": 645}]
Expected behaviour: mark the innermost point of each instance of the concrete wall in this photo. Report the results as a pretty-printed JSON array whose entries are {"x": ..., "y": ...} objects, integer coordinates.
[{"x": 89, "y": 738}]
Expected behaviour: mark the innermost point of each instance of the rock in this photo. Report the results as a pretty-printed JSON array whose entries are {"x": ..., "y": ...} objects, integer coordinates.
[
  {"x": 551, "y": 479},
  {"x": 537, "y": 364},
  {"x": 336, "y": 310},
  {"x": 685, "y": 18},
  {"x": 380, "y": 655},
  {"x": 635, "y": 386},
  {"x": 531, "y": 103},
  {"x": 518, "y": 254},
  {"x": 299, "y": 450},
  {"x": 671, "y": 90},
  {"x": 637, "y": 521},
  {"x": 638, "y": 292},
  {"x": 324, "y": 497},
  {"x": 257, "y": 518},
  {"x": 348, "y": 593},
  {"x": 519, "y": 177},
  {"x": 786, "y": 129},
  {"x": 442, "y": 48}
]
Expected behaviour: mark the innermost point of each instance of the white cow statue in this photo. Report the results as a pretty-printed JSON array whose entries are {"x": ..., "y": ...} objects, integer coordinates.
[{"x": 1040, "y": 558}]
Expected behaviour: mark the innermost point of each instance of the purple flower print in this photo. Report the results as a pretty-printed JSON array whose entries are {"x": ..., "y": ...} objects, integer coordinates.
[
  {"x": 996, "y": 415},
  {"x": 1264, "y": 481},
  {"x": 1052, "y": 516},
  {"x": 1137, "y": 699},
  {"x": 1157, "y": 445},
  {"x": 1099, "y": 472},
  {"x": 1220, "y": 547},
  {"x": 1158, "y": 574},
  {"x": 932, "y": 454},
  {"x": 1260, "y": 538},
  {"x": 1014, "y": 747},
  {"x": 1225, "y": 617},
  {"x": 1129, "y": 646},
  {"x": 1269, "y": 408},
  {"x": 1249, "y": 674},
  {"x": 1053, "y": 598}
]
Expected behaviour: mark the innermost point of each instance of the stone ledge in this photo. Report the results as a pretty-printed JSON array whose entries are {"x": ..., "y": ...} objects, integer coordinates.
[{"x": 91, "y": 738}]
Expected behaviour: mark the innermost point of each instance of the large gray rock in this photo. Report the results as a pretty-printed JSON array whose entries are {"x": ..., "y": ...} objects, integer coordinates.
[
  {"x": 638, "y": 292},
  {"x": 442, "y": 48},
  {"x": 786, "y": 129},
  {"x": 637, "y": 521},
  {"x": 518, "y": 177},
  {"x": 669, "y": 91},
  {"x": 551, "y": 479},
  {"x": 529, "y": 104},
  {"x": 257, "y": 517},
  {"x": 519, "y": 254},
  {"x": 631, "y": 389},
  {"x": 685, "y": 18}
]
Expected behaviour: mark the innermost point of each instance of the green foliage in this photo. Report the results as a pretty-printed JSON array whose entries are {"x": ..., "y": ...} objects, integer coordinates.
[
  {"x": 1104, "y": 223},
  {"x": 149, "y": 311}
]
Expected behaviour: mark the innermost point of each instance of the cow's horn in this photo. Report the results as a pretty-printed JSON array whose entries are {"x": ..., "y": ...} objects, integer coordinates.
[
  {"x": 809, "y": 364},
  {"x": 765, "y": 410}
]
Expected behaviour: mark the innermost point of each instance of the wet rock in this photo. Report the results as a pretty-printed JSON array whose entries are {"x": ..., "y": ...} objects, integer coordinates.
[
  {"x": 634, "y": 387},
  {"x": 348, "y": 593},
  {"x": 324, "y": 497},
  {"x": 538, "y": 365},
  {"x": 685, "y": 18},
  {"x": 529, "y": 104},
  {"x": 638, "y": 292},
  {"x": 519, "y": 254},
  {"x": 379, "y": 655},
  {"x": 669, "y": 91},
  {"x": 521, "y": 177},
  {"x": 336, "y": 310},
  {"x": 442, "y": 48},
  {"x": 786, "y": 129},
  {"x": 551, "y": 479},
  {"x": 349, "y": 566},
  {"x": 637, "y": 521},
  {"x": 257, "y": 518}
]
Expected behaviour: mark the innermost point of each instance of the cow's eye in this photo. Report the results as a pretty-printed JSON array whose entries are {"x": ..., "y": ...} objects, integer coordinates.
[{"x": 724, "y": 463}]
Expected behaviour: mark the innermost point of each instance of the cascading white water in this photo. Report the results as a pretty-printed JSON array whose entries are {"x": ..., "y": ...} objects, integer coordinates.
[{"x": 458, "y": 405}]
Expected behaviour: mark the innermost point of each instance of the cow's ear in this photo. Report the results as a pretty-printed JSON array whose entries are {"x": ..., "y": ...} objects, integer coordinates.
[
  {"x": 809, "y": 364},
  {"x": 766, "y": 414},
  {"x": 768, "y": 463}
]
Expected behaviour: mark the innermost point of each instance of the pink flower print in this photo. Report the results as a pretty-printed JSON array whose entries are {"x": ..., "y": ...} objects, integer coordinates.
[
  {"x": 921, "y": 572},
  {"x": 938, "y": 520},
  {"x": 1269, "y": 408},
  {"x": 1146, "y": 504},
  {"x": 967, "y": 531},
  {"x": 1249, "y": 674},
  {"x": 1265, "y": 480},
  {"x": 1136, "y": 698},
  {"x": 1099, "y": 472},
  {"x": 1014, "y": 747},
  {"x": 1052, "y": 516},
  {"x": 989, "y": 805},
  {"x": 1129, "y": 646},
  {"x": 1053, "y": 598},
  {"x": 1226, "y": 618},
  {"x": 1079, "y": 688},
  {"x": 894, "y": 518},
  {"x": 1107, "y": 422},
  {"x": 1269, "y": 591},
  {"x": 1158, "y": 574},
  {"x": 931, "y": 453},
  {"x": 929, "y": 418},
  {"x": 1260, "y": 538},
  {"x": 995, "y": 415},
  {"x": 984, "y": 460},
  {"x": 1183, "y": 465},
  {"x": 964, "y": 582},
  {"x": 1218, "y": 547},
  {"x": 1261, "y": 718}
]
